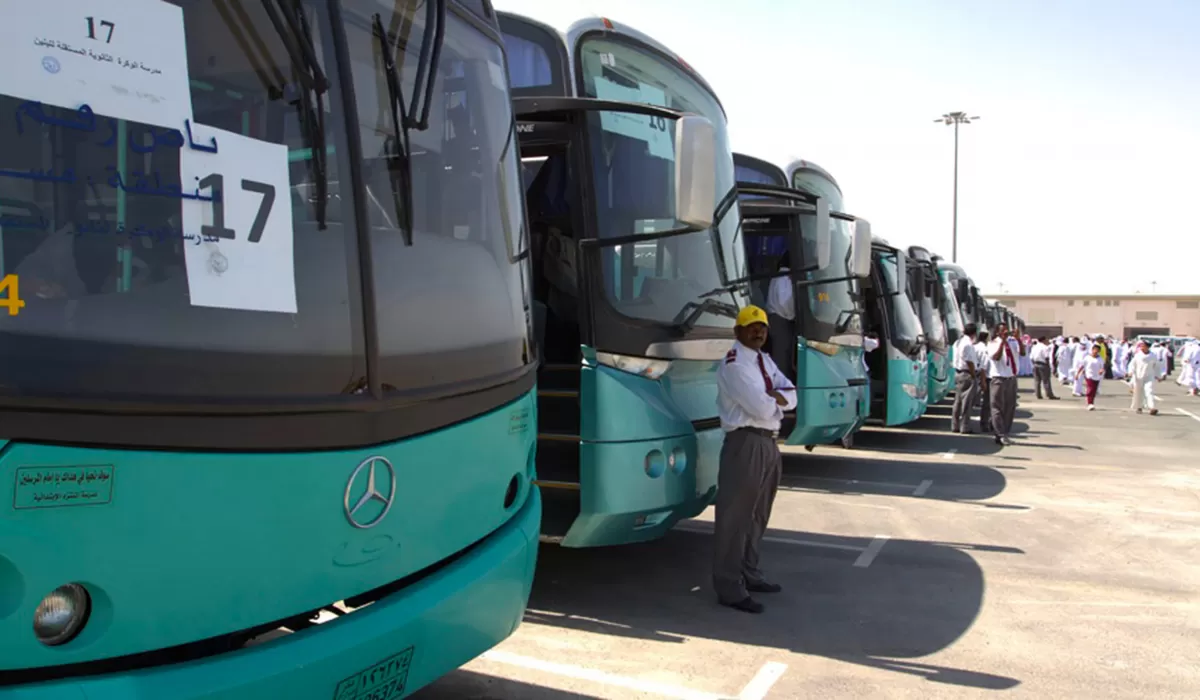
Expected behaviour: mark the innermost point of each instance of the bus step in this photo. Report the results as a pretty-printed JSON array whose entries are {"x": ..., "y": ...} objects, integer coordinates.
[
  {"x": 557, "y": 459},
  {"x": 558, "y": 412},
  {"x": 559, "y": 393},
  {"x": 560, "y": 508},
  {"x": 559, "y": 378}
]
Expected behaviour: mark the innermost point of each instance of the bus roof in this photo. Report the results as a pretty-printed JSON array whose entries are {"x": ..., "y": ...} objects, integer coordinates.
[
  {"x": 814, "y": 168},
  {"x": 764, "y": 166},
  {"x": 603, "y": 25}
]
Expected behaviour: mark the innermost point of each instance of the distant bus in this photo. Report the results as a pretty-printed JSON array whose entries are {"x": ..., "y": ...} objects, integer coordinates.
[
  {"x": 631, "y": 275},
  {"x": 899, "y": 368},
  {"x": 822, "y": 348},
  {"x": 929, "y": 293},
  {"x": 268, "y": 410}
]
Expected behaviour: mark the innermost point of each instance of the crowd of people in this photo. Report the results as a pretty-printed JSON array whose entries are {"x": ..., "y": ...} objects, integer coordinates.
[{"x": 1081, "y": 363}]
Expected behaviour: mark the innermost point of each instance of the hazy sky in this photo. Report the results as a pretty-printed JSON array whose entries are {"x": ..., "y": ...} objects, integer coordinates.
[{"x": 1080, "y": 177}]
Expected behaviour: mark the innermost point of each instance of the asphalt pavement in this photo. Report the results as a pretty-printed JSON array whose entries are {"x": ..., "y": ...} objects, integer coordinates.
[{"x": 920, "y": 564}]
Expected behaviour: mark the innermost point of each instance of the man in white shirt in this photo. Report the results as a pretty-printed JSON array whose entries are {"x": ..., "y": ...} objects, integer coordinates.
[
  {"x": 752, "y": 395},
  {"x": 1143, "y": 371},
  {"x": 1002, "y": 370},
  {"x": 985, "y": 387},
  {"x": 966, "y": 380},
  {"x": 1039, "y": 355},
  {"x": 781, "y": 311}
]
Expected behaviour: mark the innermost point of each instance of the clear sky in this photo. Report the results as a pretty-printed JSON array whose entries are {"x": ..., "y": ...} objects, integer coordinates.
[{"x": 1081, "y": 176}]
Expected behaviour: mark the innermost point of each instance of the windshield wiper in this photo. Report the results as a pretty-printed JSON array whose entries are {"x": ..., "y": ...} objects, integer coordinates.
[
  {"x": 691, "y": 312},
  {"x": 398, "y": 148},
  {"x": 292, "y": 25}
]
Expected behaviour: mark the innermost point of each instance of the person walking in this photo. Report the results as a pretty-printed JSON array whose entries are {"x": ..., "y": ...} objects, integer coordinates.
[
  {"x": 1002, "y": 370},
  {"x": 985, "y": 386},
  {"x": 1092, "y": 371},
  {"x": 752, "y": 395},
  {"x": 1143, "y": 371},
  {"x": 966, "y": 381},
  {"x": 1040, "y": 355}
]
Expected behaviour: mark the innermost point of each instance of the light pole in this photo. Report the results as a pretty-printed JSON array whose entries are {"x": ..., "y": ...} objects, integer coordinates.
[{"x": 955, "y": 118}]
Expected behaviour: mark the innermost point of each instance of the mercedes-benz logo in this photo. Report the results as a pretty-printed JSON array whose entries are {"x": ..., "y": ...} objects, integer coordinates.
[{"x": 372, "y": 466}]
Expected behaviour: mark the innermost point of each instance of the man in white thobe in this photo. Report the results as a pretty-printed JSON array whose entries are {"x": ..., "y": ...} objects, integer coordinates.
[{"x": 1143, "y": 371}]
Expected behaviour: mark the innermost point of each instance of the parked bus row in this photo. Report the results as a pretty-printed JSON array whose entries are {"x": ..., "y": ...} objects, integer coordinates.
[{"x": 516, "y": 260}]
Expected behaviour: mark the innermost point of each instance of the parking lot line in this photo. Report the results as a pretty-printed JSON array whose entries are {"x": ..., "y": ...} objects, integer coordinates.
[
  {"x": 923, "y": 487},
  {"x": 949, "y": 454},
  {"x": 1188, "y": 413},
  {"x": 864, "y": 560},
  {"x": 761, "y": 684},
  {"x": 599, "y": 677},
  {"x": 701, "y": 530}
]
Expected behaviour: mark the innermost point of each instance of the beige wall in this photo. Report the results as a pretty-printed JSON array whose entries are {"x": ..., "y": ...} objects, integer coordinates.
[{"x": 1111, "y": 315}]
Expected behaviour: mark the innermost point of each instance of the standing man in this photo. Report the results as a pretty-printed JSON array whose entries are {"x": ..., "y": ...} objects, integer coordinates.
[
  {"x": 1143, "y": 371},
  {"x": 966, "y": 373},
  {"x": 1092, "y": 372},
  {"x": 752, "y": 395},
  {"x": 1040, "y": 356},
  {"x": 985, "y": 387},
  {"x": 781, "y": 313},
  {"x": 1002, "y": 368}
]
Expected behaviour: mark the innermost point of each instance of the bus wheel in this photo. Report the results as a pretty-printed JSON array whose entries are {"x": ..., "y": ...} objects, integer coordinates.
[
  {"x": 848, "y": 441},
  {"x": 809, "y": 448}
]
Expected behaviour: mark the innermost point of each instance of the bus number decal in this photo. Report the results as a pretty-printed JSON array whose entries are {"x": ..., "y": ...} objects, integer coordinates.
[
  {"x": 383, "y": 681},
  {"x": 10, "y": 294}
]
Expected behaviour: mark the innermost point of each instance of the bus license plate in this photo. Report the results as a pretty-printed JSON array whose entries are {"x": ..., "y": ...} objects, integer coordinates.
[{"x": 383, "y": 681}]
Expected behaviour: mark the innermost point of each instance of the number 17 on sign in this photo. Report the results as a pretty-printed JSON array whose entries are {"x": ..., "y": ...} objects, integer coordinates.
[{"x": 10, "y": 295}]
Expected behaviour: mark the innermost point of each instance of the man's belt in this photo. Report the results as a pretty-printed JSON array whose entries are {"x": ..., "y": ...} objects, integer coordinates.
[{"x": 759, "y": 431}]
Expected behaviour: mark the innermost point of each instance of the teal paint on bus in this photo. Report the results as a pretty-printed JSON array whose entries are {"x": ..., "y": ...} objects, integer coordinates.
[
  {"x": 260, "y": 520},
  {"x": 904, "y": 392},
  {"x": 828, "y": 408},
  {"x": 643, "y": 466},
  {"x": 907, "y": 396},
  {"x": 940, "y": 376}
]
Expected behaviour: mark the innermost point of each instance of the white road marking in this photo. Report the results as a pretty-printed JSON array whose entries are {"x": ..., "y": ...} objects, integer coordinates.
[
  {"x": 594, "y": 676},
  {"x": 923, "y": 487},
  {"x": 948, "y": 454},
  {"x": 760, "y": 685},
  {"x": 780, "y": 540},
  {"x": 1189, "y": 413},
  {"x": 864, "y": 560}
]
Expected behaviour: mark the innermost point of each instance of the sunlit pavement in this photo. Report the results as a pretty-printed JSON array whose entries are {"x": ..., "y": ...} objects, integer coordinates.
[{"x": 919, "y": 564}]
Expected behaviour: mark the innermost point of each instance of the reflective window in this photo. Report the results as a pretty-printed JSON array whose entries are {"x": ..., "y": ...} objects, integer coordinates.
[
  {"x": 125, "y": 262},
  {"x": 950, "y": 312},
  {"x": 832, "y": 310},
  {"x": 528, "y": 62},
  {"x": 634, "y": 170},
  {"x": 452, "y": 307},
  {"x": 905, "y": 324}
]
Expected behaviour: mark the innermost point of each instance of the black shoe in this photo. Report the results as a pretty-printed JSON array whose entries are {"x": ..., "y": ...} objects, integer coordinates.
[
  {"x": 764, "y": 587},
  {"x": 1054, "y": 398},
  {"x": 997, "y": 439},
  {"x": 747, "y": 604},
  {"x": 966, "y": 432}
]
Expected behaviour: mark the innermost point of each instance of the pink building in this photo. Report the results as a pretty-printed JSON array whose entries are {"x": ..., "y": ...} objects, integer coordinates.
[{"x": 1119, "y": 316}]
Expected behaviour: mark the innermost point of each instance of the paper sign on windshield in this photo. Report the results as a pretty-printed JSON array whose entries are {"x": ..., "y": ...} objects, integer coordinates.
[
  {"x": 656, "y": 132},
  {"x": 239, "y": 206},
  {"x": 124, "y": 58}
]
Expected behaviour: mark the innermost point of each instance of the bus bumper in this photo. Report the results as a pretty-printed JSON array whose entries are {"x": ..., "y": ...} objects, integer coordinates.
[
  {"x": 386, "y": 650},
  {"x": 826, "y": 415},
  {"x": 628, "y": 494}
]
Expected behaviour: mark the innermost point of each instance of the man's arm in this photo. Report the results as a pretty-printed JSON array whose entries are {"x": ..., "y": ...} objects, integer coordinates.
[
  {"x": 744, "y": 386},
  {"x": 784, "y": 388}
]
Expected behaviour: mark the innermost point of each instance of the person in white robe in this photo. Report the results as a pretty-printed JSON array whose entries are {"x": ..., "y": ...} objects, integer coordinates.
[
  {"x": 1066, "y": 359},
  {"x": 1081, "y": 354},
  {"x": 1143, "y": 371},
  {"x": 1160, "y": 352}
]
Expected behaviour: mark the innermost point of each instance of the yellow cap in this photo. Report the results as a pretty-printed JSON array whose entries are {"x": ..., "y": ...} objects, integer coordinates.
[{"x": 751, "y": 315}]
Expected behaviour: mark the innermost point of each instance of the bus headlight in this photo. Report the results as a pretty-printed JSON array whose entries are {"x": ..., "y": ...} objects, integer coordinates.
[
  {"x": 641, "y": 366},
  {"x": 62, "y": 614},
  {"x": 910, "y": 389}
]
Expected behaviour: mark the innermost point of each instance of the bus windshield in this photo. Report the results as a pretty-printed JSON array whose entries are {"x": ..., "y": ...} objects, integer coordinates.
[
  {"x": 930, "y": 312},
  {"x": 954, "y": 321},
  {"x": 633, "y": 176},
  {"x": 905, "y": 325},
  {"x": 219, "y": 258}
]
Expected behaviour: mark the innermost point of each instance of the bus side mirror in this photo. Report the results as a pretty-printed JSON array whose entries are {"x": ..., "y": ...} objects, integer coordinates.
[
  {"x": 901, "y": 273},
  {"x": 860, "y": 250},
  {"x": 695, "y": 171},
  {"x": 962, "y": 288},
  {"x": 824, "y": 234}
]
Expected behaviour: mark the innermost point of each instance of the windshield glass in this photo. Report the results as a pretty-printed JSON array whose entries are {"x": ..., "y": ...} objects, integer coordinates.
[
  {"x": 950, "y": 314},
  {"x": 905, "y": 325},
  {"x": 165, "y": 235},
  {"x": 832, "y": 314},
  {"x": 633, "y": 176}
]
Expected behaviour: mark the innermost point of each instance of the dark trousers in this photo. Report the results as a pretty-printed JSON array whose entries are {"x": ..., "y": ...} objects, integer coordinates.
[
  {"x": 965, "y": 389},
  {"x": 1093, "y": 386},
  {"x": 1003, "y": 404},
  {"x": 746, "y": 486},
  {"x": 1041, "y": 377},
  {"x": 985, "y": 413}
]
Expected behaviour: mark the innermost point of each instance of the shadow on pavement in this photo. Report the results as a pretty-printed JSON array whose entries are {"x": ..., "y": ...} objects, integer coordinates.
[
  {"x": 915, "y": 599},
  {"x": 948, "y": 481},
  {"x": 468, "y": 685}
]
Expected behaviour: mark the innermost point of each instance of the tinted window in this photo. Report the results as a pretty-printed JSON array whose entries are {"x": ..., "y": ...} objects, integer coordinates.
[
  {"x": 105, "y": 246},
  {"x": 528, "y": 63},
  {"x": 452, "y": 307}
]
